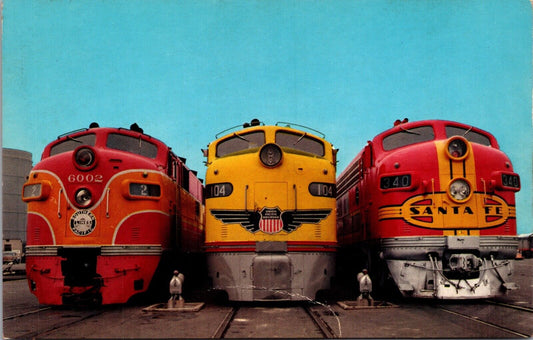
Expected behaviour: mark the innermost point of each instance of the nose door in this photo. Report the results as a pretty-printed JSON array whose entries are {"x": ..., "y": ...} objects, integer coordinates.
[{"x": 271, "y": 277}]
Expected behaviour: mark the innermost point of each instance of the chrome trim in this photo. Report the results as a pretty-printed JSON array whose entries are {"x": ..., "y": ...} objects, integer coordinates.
[
  {"x": 41, "y": 250},
  {"x": 117, "y": 250},
  {"x": 131, "y": 250},
  {"x": 416, "y": 248}
]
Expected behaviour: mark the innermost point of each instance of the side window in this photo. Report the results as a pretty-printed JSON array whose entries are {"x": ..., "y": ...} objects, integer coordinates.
[
  {"x": 172, "y": 167},
  {"x": 185, "y": 178}
]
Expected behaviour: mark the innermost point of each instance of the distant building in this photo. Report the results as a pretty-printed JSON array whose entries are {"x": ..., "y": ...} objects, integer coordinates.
[{"x": 16, "y": 166}]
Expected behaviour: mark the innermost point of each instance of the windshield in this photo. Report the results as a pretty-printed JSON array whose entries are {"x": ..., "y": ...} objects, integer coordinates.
[
  {"x": 131, "y": 144},
  {"x": 72, "y": 143},
  {"x": 300, "y": 142},
  {"x": 237, "y": 143},
  {"x": 470, "y": 135},
  {"x": 408, "y": 136}
]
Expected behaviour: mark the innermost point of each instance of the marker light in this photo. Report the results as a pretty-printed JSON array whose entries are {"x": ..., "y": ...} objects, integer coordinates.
[
  {"x": 459, "y": 190},
  {"x": 270, "y": 155}
]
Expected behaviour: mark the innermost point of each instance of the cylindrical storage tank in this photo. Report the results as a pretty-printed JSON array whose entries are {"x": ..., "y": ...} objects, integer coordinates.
[{"x": 16, "y": 165}]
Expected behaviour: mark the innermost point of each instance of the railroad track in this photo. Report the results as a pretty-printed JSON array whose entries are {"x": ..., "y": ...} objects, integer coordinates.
[
  {"x": 512, "y": 306},
  {"x": 248, "y": 321},
  {"x": 500, "y": 316},
  {"x": 324, "y": 327},
  {"x": 20, "y": 315},
  {"x": 224, "y": 325},
  {"x": 44, "y": 320}
]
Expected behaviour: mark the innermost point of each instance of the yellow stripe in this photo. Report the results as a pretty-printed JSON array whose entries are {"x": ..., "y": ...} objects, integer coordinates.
[
  {"x": 389, "y": 212},
  {"x": 450, "y": 169}
]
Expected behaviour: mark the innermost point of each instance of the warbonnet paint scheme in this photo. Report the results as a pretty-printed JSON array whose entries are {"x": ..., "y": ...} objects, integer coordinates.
[{"x": 432, "y": 203}]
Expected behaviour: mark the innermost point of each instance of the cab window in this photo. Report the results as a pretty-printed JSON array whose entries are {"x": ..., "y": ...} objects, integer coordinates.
[
  {"x": 131, "y": 144},
  {"x": 241, "y": 143},
  {"x": 72, "y": 143},
  {"x": 470, "y": 135},
  {"x": 407, "y": 137},
  {"x": 300, "y": 142}
]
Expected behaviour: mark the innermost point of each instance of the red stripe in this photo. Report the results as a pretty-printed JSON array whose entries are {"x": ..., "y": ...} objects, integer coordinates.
[
  {"x": 311, "y": 243},
  {"x": 318, "y": 250},
  {"x": 290, "y": 243},
  {"x": 293, "y": 246},
  {"x": 290, "y": 250},
  {"x": 229, "y": 250}
]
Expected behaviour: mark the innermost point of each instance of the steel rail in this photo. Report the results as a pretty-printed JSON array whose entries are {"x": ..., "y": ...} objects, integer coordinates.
[
  {"x": 224, "y": 325},
  {"x": 322, "y": 325},
  {"x": 25, "y": 313},
  {"x": 490, "y": 324},
  {"x": 43, "y": 332},
  {"x": 508, "y": 305}
]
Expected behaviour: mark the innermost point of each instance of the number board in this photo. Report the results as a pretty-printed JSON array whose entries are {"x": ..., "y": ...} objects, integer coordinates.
[
  {"x": 218, "y": 190},
  {"x": 322, "y": 189},
  {"x": 394, "y": 182}
]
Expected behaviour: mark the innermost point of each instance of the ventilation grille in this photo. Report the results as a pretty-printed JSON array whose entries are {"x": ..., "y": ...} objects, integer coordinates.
[
  {"x": 135, "y": 233},
  {"x": 36, "y": 237},
  {"x": 318, "y": 232},
  {"x": 224, "y": 232}
]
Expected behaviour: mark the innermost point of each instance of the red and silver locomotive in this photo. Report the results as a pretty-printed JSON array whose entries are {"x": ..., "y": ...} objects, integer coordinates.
[
  {"x": 432, "y": 203},
  {"x": 108, "y": 208}
]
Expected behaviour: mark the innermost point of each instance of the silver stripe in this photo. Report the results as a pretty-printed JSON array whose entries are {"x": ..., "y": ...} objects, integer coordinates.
[
  {"x": 416, "y": 248},
  {"x": 144, "y": 250}
]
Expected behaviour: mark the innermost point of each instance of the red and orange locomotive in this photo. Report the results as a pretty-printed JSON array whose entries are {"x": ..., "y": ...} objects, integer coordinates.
[
  {"x": 433, "y": 204},
  {"x": 106, "y": 207}
]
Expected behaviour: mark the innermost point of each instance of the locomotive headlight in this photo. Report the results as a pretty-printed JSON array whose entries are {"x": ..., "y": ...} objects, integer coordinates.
[
  {"x": 83, "y": 197},
  {"x": 457, "y": 148},
  {"x": 84, "y": 158},
  {"x": 459, "y": 190},
  {"x": 270, "y": 155}
]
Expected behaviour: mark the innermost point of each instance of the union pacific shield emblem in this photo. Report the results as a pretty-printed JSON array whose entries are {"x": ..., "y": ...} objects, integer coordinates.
[{"x": 270, "y": 222}]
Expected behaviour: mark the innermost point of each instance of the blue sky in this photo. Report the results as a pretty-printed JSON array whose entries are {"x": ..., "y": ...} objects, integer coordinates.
[{"x": 185, "y": 70}]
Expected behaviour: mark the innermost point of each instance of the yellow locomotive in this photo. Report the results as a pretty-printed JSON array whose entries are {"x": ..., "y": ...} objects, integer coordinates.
[{"x": 270, "y": 213}]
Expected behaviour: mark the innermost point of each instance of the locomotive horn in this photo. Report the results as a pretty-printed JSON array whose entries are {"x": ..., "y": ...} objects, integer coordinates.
[{"x": 136, "y": 128}]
